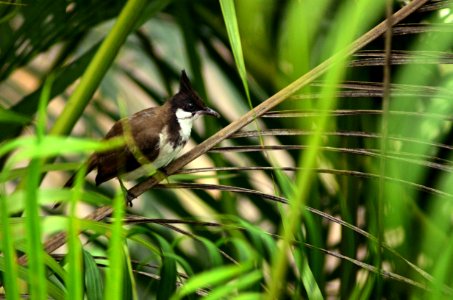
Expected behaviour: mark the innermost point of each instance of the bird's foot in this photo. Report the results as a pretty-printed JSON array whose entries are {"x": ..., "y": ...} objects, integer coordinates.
[{"x": 129, "y": 198}]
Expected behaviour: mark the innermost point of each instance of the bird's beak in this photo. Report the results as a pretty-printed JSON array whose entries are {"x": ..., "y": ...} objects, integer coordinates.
[{"x": 209, "y": 111}]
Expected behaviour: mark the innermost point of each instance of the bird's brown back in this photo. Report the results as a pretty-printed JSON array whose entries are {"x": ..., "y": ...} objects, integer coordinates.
[{"x": 144, "y": 127}]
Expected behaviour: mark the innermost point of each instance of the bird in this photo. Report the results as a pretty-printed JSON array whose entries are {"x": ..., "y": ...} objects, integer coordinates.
[{"x": 153, "y": 137}]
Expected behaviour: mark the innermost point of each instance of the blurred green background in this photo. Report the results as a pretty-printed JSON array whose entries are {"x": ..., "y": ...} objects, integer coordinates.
[{"x": 342, "y": 191}]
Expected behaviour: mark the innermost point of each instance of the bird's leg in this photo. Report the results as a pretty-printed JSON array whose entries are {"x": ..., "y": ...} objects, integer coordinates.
[
  {"x": 129, "y": 196},
  {"x": 161, "y": 173}
]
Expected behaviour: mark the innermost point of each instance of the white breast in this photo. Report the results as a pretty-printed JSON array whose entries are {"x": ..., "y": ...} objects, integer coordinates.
[{"x": 167, "y": 151}]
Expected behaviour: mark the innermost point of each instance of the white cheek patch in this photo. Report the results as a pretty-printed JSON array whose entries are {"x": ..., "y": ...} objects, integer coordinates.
[
  {"x": 185, "y": 120},
  {"x": 182, "y": 114}
]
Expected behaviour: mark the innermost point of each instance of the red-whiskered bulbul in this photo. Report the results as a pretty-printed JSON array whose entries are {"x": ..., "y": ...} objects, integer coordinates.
[{"x": 154, "y": 136}]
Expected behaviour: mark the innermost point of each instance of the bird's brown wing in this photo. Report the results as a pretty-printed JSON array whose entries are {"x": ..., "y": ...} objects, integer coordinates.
[{"x": 143, "y": 148}]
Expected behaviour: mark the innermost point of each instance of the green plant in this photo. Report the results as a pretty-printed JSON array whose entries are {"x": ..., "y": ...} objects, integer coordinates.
[{"x": 331, "y": 163}]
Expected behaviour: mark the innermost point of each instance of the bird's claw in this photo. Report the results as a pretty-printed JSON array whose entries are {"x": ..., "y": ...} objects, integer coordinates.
[{"x": 129, "y": 199}]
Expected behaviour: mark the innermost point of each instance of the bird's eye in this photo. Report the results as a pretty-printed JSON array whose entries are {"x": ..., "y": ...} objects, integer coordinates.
[{"x": 190, "y": 105}]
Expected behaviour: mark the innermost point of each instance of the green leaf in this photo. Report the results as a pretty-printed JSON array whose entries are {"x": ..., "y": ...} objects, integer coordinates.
[
  {"x": 168, "y": 273},
  {"x": 10, "y": 274},
  {"x": 261, "y": 240},
  {"x": 8, "y": 117},
  {"x": 52, "y": 196},
  {"x": 214, "y": 258},
  {"x": 51, "y": 146},
  {"x": 211, "y": 278},
  {"x": 21, "y": 172},
  {"x": 128, "y": 277},
  {"x": 308, "y": 280},
  {"x": 94, "y": 284},
  {"x": 248, "y": 296},
  {"x": 236, "y": 285},
  {"x": 35, "y": 249},
  {"x": 115, "y": 272},
  {"x": 74, "y": 256},
  {"x": 229, "y": 16}
]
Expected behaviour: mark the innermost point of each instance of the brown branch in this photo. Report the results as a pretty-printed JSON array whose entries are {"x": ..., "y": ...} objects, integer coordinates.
[
  {"x": 352, "y": 112},
  {"x": 59, "y": 240},
  {"x": 298, "y": 132},
  {"x": 404, "y": 29},
  {"x": 379, "y": 58},
  {"x": 376, "y": 89},
  {"x": 407, "y": 157}
]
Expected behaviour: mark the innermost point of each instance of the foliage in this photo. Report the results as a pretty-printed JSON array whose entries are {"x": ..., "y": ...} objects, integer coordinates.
[{"x": 329, "y": 174}]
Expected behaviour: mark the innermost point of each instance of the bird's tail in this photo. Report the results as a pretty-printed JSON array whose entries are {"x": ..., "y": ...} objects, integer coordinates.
[{"x": 90, "y": 165}]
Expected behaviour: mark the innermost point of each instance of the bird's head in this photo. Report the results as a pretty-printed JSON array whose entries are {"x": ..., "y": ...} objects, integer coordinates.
[{"x": 187, "y": 103}]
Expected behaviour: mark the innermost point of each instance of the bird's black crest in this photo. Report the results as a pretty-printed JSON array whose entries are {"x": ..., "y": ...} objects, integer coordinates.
[
  {"x": 187, "y": 92},
  {"x": 184, "y": 83}
]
